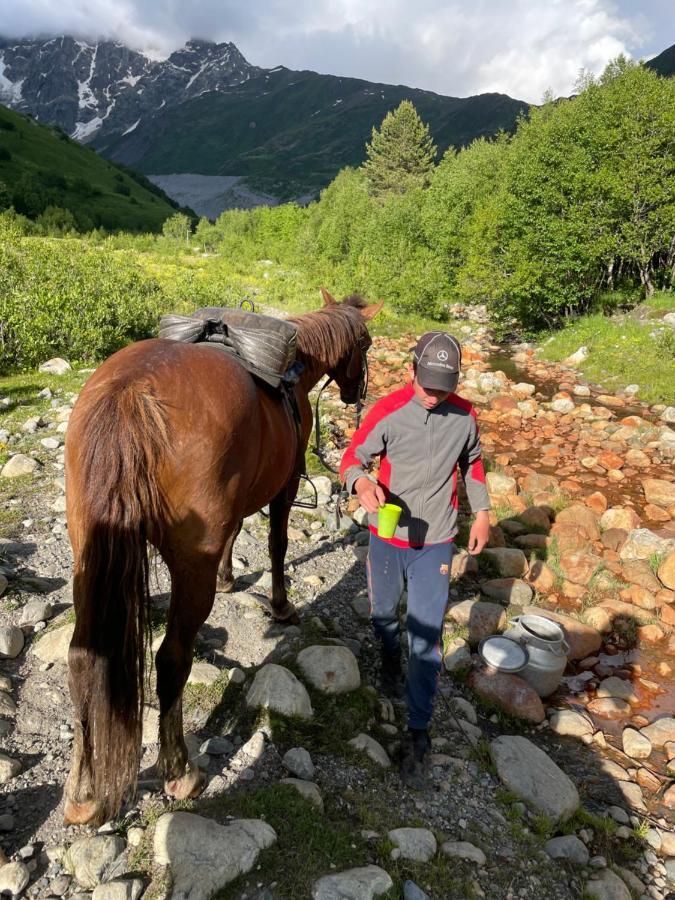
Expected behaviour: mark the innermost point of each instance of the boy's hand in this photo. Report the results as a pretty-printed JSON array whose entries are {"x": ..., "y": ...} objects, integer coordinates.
[
  {"x": 371, "y": 496},
  {"x": 480, "y": 532}
]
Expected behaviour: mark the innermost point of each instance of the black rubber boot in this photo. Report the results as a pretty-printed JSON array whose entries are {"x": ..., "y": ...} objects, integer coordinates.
[
  {"x": 393, "y": 682},
  {"x": 414, "y": 758}
]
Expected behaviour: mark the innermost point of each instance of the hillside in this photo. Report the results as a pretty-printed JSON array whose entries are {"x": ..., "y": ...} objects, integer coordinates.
[
  {"x": 41, "y": 166},
  {"x": 290, "y": 132},
  {"x": 664, "y": 63}
]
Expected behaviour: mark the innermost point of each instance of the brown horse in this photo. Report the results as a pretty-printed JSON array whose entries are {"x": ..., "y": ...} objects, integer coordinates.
[{"x": 174, "y": 444}]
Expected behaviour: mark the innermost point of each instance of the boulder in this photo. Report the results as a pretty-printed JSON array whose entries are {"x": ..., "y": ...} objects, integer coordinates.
[
  {"x": 533, "y": 777},
  {"x": 205, "y": 856},
  {"x": 643, "y": 543},
  {"x": 124, "y": 889},
  {"x": 363, "y": 883},
  {"x": 667, "y": 571},
  {"x": 11, "y": 641},
  {"x": 306, "y": 789},
  {"x": 457, "y": 655},
  {"x": 499, "y": 485},
  {"x": 509, "y": 563},
  {"x": 35, "y": 611},
  {"x": 19, "y": 465},
  {"x": 617, "y": 687},
  {"x": 609, "y": 708},
  {"x": 507, "y": 591},
  {"x": 371, "y": 748},
  {"x": 579, "y": 567},
  {"x": 582, "y": 518},
  {"x": 299, "y": 763},
  {"x": 464, "y": 850},
  {"x": 331, "y": 670},
  {"x": 569, "y": 722},
  {"x": 416, "y": 844},
  {"x": 660, "y": 732},
  {"x": 89, "y": 857},
  {"x": 203, "y": 673},
  {"x": 52, "y": 647},
  {"x": 569, "y": 848},
  {"x": 659, "y": 492},
  {"x": 583, "y": 639},
  {"x": 14, "y": 877},
  {"x": 509, "y": 692},
  {"x": 55, "y": 366},
  {"x": 482, "y": 619},
  {"x": 606, "y": 886},
  {"x": 275, "y": 688}
]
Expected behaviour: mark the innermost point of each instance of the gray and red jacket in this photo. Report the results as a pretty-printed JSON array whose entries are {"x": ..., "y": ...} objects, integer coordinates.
[{"x": 420, "y": 451}]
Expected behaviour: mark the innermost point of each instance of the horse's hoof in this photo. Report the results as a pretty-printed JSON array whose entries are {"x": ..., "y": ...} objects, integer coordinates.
[
  {"x": 79, "y": 813},
  {"x": 189, "y": 785},
  {"x": 289, "y": 616}
]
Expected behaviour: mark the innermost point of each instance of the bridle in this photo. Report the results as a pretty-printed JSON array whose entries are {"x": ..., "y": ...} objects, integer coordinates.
[{"x": 362, "y": 390}]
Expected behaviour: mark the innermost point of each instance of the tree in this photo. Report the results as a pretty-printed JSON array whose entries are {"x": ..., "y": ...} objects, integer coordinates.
[
  {"x": 5, "y": 197},
  {"x": 401, "y": 154},
  {"x": 56, "y": 221},
  {"x": 177, "y": 227}
]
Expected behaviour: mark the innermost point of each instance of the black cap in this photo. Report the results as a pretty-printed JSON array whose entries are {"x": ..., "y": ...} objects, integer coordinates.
[{"x": 438, "y": 358}]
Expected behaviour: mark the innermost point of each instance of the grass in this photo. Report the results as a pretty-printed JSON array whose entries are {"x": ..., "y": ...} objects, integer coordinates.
[{"x": 621, "y": 351}]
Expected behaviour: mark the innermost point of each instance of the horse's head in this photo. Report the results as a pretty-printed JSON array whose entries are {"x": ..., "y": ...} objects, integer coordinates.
[{"x": 351, "y": 371}]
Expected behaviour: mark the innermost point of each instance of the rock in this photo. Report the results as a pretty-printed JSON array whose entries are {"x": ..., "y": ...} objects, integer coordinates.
[
  {"x": 361, "y": 606},
  {"x": 412, "y": 892},
  {"x": 35, "y": 611},
  {"x": 660, "y": 732},
  {"x": 667, "y": 571},
  {"x": 150, "y": 726},
  {"x": 583, "y": 639},
  {"x": 9, "y": 768},
  {"x": 632, "y": 795},
  {"x": 569, "y": 848},
  {"x": 541, "y": 576},
  {"x": 617, "y": 687},
  {"x": 482, "y": 619},
  {"x": 203, "y": 673},
  {"x": 371, "y": 748},
  {"x": 331, "y": 670},
  {"x": 55, "y": 366},
  {"x": 562, "y": 405},
  {"x": 89, "y": 857},
  {"x": 643, "y": 543},
  {"x": 457, "y": 655},
  {"x": 217, "y": 746},
  {"x": 307, "y": 789},
  {"x": 635, "y": 745},
  {"x": 499, "y": 485},
  {"x": 659, "y": 492},
  {"x": 509, "y": 692},
  {"x": 11, "y": 641},
  {"x": 533, "y": 777},
  {"x": 362, "y": 883},
  {"x": 507, "y": 591},
  {"x": 14, "y": 877},
  {"x": 464, "y": 850},
  {"x": 510, "y": 563},
  {"x": 609, "y": 708},
  {"x": 119, "y": 890},
  {"x": 577, "y": 357},
  {"x": 274, "y": 687},
  {"x": 205, "y": 856},
  {"x": 582, "y": 518},
  {"x": 464, "y": 709},
  {"x": 7, "y": 705},
  {"x": 416, "y": 844},
  {"x": 579, "y": 567},
  {"x": 534, "y": 483},
  {"x": 19, "y": 465},
  {"x": 598, "y": 619},
  {"x": 606, "y": 886},
  {"x": 52, "y": 647},
  {"x": 299, "y": 763},
  {"x": 569, "y": 722}
]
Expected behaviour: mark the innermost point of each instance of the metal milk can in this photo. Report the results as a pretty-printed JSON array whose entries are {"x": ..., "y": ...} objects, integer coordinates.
[{"x": 547, "y": 651}]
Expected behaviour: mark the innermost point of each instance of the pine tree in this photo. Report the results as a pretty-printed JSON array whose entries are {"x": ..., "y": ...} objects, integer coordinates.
[{"x": 401, "y": 154}]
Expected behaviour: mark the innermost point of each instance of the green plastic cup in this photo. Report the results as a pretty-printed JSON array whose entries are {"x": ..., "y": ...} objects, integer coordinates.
[{"x": 387, "y": 519}]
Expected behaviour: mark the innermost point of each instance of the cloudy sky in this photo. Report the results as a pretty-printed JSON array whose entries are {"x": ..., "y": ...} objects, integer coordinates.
[{"x": 519, "y": 47}]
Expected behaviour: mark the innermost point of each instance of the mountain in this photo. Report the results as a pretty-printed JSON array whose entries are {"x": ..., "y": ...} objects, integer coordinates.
[
  {"x": 41, "y": 166},
  {"x": 664, "y": 63},
  {"x": 206, "y": 110}
]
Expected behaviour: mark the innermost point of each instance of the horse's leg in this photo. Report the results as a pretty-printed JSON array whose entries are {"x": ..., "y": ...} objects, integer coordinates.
[
  {"x": 280, "y": 507},
  {"x": 193, "y": 585},
  {"x": 225, "y": 581},
  {"x": 80, "y": 805}
]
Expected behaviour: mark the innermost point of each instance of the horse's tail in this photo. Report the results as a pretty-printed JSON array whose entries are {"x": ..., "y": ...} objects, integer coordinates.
[{"x": 118, "y": 506}]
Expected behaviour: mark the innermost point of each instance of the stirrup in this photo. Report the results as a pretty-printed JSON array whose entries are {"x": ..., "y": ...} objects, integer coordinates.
[{"x": 307, "y": 504}]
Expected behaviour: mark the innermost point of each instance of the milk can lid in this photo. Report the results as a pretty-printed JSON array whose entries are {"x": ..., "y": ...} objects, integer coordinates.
[{"x": 503, "y": 654}]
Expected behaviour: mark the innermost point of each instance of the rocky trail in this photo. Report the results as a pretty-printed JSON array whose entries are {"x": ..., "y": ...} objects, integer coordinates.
[{"x": 564, "y": 798}]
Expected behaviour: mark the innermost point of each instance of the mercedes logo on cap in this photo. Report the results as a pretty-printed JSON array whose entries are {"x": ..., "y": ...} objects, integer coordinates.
[{"x": 442, "y": 355}]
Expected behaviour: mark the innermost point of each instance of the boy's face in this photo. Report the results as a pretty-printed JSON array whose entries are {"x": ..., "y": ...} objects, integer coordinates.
[{"x": 428, "y": 397}]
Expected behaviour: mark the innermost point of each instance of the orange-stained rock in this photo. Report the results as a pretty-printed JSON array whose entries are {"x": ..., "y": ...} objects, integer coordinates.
[
  {"x": 568, "y": 537},
  {"x": 583, "y": 639},
  {"x": 622, "y": 517},
  {"x": 650, "y": 634},
  {"x": 597, "y": 502},
  {"x": 664, "y": 597},
  {"x": 583, "y": 518},
  {"x": 639, "y": 571},
  {"x": 614, "y": 538},
  {"x": 618, "y": 609},
  {"x": 609, "y": 460},
  {"x": 641, "y": 597},
  {"x": 647, "y": 780},
  {"x": 655, "y": 513},
  {"x": 669, "y": 648},
  {"x": 509, "y": 692},
  {"x": 578, "y": 566},
  {"x": 669, "y": 797},
  {"x": 541, "y": 576},
  {"x": 666, "y": 571},
  {"x": 668, "y": 616},
  {"x": 659, "y": 492},
  {"x": 573, "y": 591},
  {"x": 502, "y": 403},
  {"x": 535, "y": 482}
]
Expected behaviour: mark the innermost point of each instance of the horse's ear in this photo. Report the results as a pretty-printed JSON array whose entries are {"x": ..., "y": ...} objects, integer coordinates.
[
  {"x": 371, "y": 311},
  {"x": 328, "y": 299}
]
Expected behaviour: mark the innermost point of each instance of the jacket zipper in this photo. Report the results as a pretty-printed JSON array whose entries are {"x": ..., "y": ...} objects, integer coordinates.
[{"x": 428, "y": 425}]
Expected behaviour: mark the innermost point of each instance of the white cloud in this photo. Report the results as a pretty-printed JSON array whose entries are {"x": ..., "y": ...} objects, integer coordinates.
[{"x": 521, "y": 47}]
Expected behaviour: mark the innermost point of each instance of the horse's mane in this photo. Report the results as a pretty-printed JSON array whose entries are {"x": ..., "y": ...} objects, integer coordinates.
[{"x": 330, "y": 332}]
